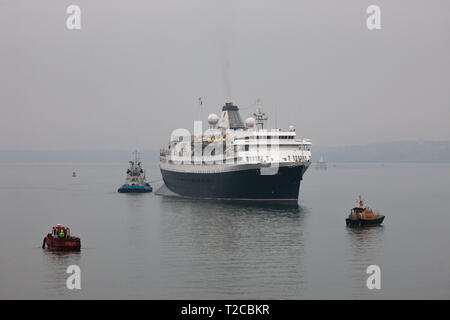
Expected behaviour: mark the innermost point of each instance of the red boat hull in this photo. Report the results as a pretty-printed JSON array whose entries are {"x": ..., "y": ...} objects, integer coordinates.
[{"x": 69, "y": 244}]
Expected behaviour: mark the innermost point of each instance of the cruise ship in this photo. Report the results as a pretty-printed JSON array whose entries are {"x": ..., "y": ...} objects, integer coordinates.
[{"x": 235, "y": 160}]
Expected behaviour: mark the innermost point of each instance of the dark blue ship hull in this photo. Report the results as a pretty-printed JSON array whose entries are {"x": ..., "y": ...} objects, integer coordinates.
[{"x": 238, "y": 185}]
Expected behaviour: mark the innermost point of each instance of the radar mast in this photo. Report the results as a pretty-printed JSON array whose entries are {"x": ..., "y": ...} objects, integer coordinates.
[{"x": 260, "y": 116}]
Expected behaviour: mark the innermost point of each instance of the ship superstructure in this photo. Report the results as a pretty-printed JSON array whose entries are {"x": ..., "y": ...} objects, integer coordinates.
[{"x": 236, "y": 160}]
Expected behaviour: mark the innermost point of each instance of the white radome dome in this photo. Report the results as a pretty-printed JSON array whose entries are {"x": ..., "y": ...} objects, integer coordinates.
[
  {"x": 213, "y": 119},
  {"x": 250, "y": 122},
  {"x": 291, "y": 128}
]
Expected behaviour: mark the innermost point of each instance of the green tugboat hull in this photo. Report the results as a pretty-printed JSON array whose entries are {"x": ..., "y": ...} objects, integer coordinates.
[{"x": 364, "y": 222}]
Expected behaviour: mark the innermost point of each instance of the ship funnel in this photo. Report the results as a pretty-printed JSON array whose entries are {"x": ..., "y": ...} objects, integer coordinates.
[{"x": 230, "y": 117}]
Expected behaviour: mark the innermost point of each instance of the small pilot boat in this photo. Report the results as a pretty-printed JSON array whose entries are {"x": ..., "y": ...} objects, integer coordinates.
[
  {"x": 135, "y": 180},
  {"x": 362, "y": 215},
  {"x": 60, "y": 239}
]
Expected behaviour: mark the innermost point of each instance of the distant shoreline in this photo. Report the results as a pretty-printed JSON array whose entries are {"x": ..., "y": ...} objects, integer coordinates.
[{"x": 397, "y": 151}]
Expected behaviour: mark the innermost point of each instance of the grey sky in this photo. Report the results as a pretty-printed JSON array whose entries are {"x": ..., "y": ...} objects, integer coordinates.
[{"x": 136, "y": 69}]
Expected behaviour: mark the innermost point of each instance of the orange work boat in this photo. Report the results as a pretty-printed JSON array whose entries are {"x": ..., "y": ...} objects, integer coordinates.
[{"x": 363, "y": 216}]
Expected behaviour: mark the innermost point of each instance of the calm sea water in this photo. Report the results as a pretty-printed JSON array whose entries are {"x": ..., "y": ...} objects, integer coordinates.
[{"x": 150, "y": 247}]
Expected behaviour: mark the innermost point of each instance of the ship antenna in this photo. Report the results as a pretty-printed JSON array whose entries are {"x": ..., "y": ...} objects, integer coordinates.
[
  {"x": 200, "y": 104},
  {"x": 361, "y": 203},
  {"x": 135, "y": 156},
  {"x": 276, "y": 117},
  {"x": 259, "y": 115}
]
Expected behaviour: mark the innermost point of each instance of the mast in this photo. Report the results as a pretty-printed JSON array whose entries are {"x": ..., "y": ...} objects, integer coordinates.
[
  {"x": 260, "y": 117},
  {"x": 200, "y": 105},
  {"x": 135, "y": 156},
  {"x": 361, "y": 202}
]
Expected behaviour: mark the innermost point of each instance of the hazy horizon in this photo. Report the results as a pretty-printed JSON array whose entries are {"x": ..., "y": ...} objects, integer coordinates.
[
  {"x": 131, "y": 148},
  {"x": 135, "y": 71},
  {"x": 384, "y": 152}
]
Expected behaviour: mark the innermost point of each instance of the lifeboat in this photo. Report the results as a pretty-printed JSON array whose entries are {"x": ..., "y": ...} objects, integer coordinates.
[
  {"x": 361, "y": 216},
  {"x": 61, "y": 240}
]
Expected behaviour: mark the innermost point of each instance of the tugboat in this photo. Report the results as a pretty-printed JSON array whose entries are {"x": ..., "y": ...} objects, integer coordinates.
[
  {"x": 363, "y": 216},
  {"x": 135, "y": 180},
  {"x": 61, "y": 240}
]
